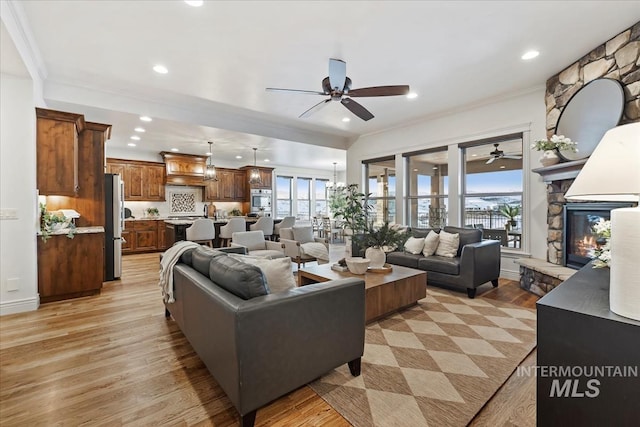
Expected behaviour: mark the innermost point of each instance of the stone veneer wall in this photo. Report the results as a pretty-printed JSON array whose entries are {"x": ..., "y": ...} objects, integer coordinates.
[{"x": 617, "y": 59}]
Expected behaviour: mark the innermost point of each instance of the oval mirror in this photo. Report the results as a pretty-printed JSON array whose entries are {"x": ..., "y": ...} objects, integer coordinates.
[{"x": 590, "y": 112}]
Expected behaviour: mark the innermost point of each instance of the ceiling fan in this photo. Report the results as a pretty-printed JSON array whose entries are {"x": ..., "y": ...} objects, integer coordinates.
[
  {"x": 499, "y": 154},
  {"x": 338, "y": 87}
]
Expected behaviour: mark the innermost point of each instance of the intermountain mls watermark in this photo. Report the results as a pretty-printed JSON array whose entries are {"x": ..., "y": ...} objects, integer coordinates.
[{"x": 577, "y": 381}]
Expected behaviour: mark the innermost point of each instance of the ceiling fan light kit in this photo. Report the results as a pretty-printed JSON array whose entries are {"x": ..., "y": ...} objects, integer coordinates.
[
  {"x": 210, "y": 173},
  {"x": 338, "y": 87},
  {"x": 254, "y": 175},
  {"x": 499, "y": 154}
]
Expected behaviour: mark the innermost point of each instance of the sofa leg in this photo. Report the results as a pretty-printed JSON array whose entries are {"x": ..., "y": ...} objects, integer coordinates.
[
  {"x": 495, "y": 283},
  {"x": 471, "y": 293},
  {"x": 355, "y": 367},
  {"x": 249, "y": 419},
  {"x": 167, "y": 313}
]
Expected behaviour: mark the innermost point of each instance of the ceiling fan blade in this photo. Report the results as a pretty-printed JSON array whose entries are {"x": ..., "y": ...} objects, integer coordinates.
[
  {"x": 491, "y": 160},
  {"x": 357, "y": 109},
  {"x": 512, "y": 156},
  {"x": 308, "y": 92},
  {"x": 380, "y": 91},
  {"x": 315, "y": 108},
  {"x": 337, "y": 73}
]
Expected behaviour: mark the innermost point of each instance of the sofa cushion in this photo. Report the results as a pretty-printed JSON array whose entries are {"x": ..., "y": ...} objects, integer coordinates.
[
  {"x": 448, "y": 244},
  {"x": 242, "y": 280},
  {"x": 403, "y": 258},
  {"x": 286, "y": 233},
  {"x": 440, "y": 264},
  {"x": 414, "y": 245},
  {"x": 423, "y": 232},
  {"x": 278, "y": 272},
  {"x": 467, "y": 235},
  {"x": 201, "y": 257},
  {"x": 303, "y": 234},
  {"x": 431, "y": 243},
  {"x": 252, "y": 240}
]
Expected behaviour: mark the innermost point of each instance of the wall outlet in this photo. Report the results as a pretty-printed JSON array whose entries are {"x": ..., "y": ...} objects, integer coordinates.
[
  {"x": 13, "y": 284},
  {"x": 8, "y": 214}
]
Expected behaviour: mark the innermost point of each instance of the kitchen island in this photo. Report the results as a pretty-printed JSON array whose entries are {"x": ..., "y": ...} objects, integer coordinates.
[{"x": 176, "y": 228}]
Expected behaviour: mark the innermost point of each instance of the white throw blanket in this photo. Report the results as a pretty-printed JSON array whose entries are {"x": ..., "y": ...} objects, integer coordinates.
[
  {"x": 316, "y": 250},
  {"x": 169, "y": 259}
]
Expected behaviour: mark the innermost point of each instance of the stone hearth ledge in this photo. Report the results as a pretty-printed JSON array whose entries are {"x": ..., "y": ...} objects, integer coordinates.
[{"x": 544, "y": 267}]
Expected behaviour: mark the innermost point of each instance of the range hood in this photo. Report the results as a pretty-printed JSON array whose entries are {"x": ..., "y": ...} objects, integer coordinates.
[{"x": 184, "y": 169}]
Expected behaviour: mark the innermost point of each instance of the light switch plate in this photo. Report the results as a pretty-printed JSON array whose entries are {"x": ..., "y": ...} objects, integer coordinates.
[{"x": 8, "y": 214}]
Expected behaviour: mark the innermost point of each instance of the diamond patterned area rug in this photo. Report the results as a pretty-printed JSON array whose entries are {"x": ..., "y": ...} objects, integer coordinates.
[{"x": 435, "y": 364}]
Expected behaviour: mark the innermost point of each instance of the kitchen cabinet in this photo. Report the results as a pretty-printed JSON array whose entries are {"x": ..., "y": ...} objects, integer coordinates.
[
  {"x": 266, "y": 175},
  {"x": 70, "y": 268},
  {"x": 143, "y": 181},
  {"x": 230, "y": 187},
  {"x": 57, "y": 152},
  {"x": 127, "y": 248},
  {"x": 184, "y": 169},
  {"x": 143, "y": 236}
]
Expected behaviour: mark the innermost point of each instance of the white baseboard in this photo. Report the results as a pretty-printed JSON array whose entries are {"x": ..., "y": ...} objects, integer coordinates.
[
  {"x": 511, "y": 275},
  {"x": 19, "y": 306}
]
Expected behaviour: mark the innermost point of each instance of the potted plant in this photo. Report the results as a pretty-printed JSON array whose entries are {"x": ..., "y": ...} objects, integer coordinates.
[
  {"x": 153, "y": 212},
  {"x": 510, "y": 212},
  {"x": 53, "y": 221},
  {"x": 235, "y": 212},
  {"x": 350, "y": 206},
  {"x": 552, "y": 146},
  {"x": 379, "y": 241}
]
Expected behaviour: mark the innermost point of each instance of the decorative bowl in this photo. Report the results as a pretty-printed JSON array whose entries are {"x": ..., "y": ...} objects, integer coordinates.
[{"x": 358, "y": 265}]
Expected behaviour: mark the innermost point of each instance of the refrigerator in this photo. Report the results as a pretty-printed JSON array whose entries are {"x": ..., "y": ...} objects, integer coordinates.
[{"x": 114, "y": 223}]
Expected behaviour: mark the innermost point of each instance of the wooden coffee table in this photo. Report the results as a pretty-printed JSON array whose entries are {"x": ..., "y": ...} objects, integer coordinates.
[{"x": 384, "y": 293}]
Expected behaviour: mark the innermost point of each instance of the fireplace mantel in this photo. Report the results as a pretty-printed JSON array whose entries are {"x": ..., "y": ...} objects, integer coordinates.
[{"x": 560, "y": 171}]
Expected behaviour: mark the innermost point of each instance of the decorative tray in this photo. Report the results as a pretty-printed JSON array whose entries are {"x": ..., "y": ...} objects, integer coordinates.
[{"x": 387, "y": 268}]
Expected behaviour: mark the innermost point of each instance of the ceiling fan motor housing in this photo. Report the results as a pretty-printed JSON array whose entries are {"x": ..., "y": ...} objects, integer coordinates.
[{"x": 335, "y": 94}]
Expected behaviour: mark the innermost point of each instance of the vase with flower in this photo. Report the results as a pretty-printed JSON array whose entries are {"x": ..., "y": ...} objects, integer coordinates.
[{"x": 551, "y": 146}]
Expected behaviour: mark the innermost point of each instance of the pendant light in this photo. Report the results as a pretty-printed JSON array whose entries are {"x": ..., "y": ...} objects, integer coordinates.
[
  {"x": 210, "y": 173},
  {"x": 254, "y": 176}
]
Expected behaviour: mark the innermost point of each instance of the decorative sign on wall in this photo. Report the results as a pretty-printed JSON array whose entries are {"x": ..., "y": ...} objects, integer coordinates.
[{"x": 183, "y": 201}]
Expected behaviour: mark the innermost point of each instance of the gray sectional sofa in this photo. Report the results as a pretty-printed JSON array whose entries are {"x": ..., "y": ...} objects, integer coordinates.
[
  {"x": 477, "y": 261},
  {"x": 260, "y": 345}
]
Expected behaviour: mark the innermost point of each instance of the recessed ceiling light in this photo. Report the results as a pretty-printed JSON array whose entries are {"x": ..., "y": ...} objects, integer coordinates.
[
  {"x": 135, "y": 138},
  {"x": 174, "y": 149},
  {"x": 267, "y": 160},
  {"x": 435, "y": 167},
  {"x": 131, "y": 144},
  {"x": 530, "y": 54},
  {"x": 141, "y": 130},
  {"x": 160, "y": 69},
  {"x": 502, "y": 167},
  {"x": 415, "y": 170},
  {"x": 146, "y": 118},
  {"x": 346, "y": 119},
  {"x": 208, "y": 153},
  {"x": 474, "y": 155},
  {"x": 194, "y": 3},
  {"x": 238, "y": 157},
  {"x": 412, "y": 95}
]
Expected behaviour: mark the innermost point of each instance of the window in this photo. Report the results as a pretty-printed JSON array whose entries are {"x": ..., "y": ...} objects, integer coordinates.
[
  {"x": 304, "y": 199},
  {"x": 283, "y": 196},
  {"x": 492, "y": 188},
  {"x": 381, "y": 185},
  {"x": 427, "y": 188},
  {"x": 321, "y": 197}
]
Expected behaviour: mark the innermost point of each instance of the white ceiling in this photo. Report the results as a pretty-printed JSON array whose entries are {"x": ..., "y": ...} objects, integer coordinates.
[{"x": 99, "y": 55}]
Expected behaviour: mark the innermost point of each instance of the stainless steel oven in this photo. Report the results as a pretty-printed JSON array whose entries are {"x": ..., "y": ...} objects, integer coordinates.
[{"x": 261, "y": 201}]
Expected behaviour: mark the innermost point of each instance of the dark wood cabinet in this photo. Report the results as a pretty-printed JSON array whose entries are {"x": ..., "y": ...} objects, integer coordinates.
[
  {"x": 211, "y": 191},
  {"x": 239, "y": 186},
  {"x": 147, "y": 235},
  {"x": 143, "y": 181},
  {"x": 230, "y": 187},
  {"x": 57, "y": 152},
  {"x": 126, "y": 241},
  {"x": 576, "y": 329},
  {"x": 70, "y": 268},
  {"x": 184, "y": 169},
  {"x": 162, "y": 235}
]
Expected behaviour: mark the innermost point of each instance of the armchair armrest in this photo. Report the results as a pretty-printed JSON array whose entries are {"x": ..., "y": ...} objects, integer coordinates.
[
  {"x": 322, "y": 240},
  {"x": 480, "y": 262},
  {"x": 237, "y": 245},
  {"x": 276, "y": 246},
  {"x": 291, "y": 248}
]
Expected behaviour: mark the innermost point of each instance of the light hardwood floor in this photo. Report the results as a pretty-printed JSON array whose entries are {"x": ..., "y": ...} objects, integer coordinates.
[{"x": 113, "y": 359}]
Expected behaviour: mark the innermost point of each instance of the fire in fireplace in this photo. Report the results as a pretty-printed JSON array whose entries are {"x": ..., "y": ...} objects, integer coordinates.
[{"x": 579, "y": 238}]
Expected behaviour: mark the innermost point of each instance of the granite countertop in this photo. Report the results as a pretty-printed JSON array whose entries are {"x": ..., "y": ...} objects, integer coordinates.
[{"x": 78, "y": 230}]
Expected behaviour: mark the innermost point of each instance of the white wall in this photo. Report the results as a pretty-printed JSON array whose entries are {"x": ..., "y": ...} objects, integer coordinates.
[
  {"x": 18, "y": 195},
  {"x": 522, "y": 113}
]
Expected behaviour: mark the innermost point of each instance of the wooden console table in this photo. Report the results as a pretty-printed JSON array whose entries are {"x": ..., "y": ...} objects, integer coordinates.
[{"x": 577, "y": 329}]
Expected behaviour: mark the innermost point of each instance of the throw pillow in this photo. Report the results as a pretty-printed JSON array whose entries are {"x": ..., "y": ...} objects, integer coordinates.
[
  {"x": 448, "y": 245},
  {"x": 278, "y": 272},
  {"x": 431, "y": 243},
  {"x": 414, "y": 245},
  {"x": 242, "y": 280},
  {"x": 303, "y": 234}
]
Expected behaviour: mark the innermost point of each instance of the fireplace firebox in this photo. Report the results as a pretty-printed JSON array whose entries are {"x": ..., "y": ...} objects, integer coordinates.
[{"x": 578, "y": 237}]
